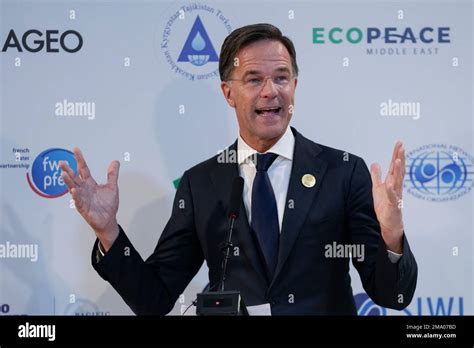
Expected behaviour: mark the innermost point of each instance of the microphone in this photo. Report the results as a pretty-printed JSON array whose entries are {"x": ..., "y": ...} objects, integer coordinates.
[
  {"x": 225, "y": 302},
  {"x": 234, "y": 209},
  {"x": 236, "y": 197}
]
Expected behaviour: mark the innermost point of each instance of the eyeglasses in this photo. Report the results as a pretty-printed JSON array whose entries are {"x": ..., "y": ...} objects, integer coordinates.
[{"x": 257, "y": 83}]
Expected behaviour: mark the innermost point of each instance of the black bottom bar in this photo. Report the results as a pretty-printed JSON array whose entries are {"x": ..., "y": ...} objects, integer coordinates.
[{"x": 258, "y": 330}]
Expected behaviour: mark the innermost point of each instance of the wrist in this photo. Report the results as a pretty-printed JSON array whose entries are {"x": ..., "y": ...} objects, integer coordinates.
[
  {"x": 108, "y": 235},
  {"x": 393, "y": 241}
]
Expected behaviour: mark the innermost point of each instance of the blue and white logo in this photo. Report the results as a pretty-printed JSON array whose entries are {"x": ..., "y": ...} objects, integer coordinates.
[
  {"x": 429, "y": 305},
  {"x": 46, "y": 178},
  {"x": 365, "y": 306},
  {"x": 439, "y": 172},
  {"x": 198, "y": 49},
  {"x": 191, "y": 34}
]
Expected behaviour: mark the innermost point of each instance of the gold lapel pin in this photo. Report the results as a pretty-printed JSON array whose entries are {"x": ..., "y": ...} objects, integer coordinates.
[{"x": 308, "y": 180}]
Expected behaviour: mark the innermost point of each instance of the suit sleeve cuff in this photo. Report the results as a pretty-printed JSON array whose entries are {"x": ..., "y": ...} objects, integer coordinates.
[
  {"x": 104, "y": 263},
  {"x": 393, "y": 257}
]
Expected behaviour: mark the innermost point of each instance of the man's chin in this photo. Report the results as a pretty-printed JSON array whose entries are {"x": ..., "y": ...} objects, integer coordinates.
[{"x": 271, "y": 132}]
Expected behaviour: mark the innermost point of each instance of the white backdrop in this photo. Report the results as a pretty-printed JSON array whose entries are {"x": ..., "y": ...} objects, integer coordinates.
[{"x": 124, "y": 95}]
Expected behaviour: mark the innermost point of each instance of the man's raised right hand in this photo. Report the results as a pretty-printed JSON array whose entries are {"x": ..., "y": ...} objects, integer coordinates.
[{"x": 98, "y": 204}]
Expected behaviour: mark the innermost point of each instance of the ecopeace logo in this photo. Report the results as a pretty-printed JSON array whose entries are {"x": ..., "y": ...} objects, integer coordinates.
[
  {"x": 190, "y": 39},
  {"x": 390, "y": 41},
  {"x": 45, "y": 179}
]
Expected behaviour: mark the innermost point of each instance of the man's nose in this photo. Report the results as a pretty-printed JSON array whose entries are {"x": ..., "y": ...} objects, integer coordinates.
[{"x": 269, "y": 89}]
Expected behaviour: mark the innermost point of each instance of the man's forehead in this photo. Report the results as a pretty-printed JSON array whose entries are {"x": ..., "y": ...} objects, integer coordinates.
[
  {"x": 264, "y": 50},
  {"x": 263, "y": 55}
]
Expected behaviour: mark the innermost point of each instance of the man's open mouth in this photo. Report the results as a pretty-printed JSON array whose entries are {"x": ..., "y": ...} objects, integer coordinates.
[{"x": 268, "y": 111}]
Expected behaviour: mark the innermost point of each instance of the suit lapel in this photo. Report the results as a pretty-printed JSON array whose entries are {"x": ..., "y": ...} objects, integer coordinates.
[
  {"x": 222, "y": 176},
  {"x": 299, "y": 198}
]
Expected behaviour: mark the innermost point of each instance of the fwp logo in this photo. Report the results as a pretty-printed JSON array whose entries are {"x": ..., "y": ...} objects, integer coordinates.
[
  {"x": 422, "y": 306},
  {"x": 45, "y": 179},
  {"x": 190, "y": 39},
  {"x": 439, "y": 172}
]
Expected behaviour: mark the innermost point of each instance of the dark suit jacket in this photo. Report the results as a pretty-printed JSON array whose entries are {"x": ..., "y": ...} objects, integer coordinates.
[{"x": 339, "y": 208}]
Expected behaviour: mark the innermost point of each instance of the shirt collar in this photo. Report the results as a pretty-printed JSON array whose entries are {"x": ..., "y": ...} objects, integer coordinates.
[{"x": 283, "y": 147}]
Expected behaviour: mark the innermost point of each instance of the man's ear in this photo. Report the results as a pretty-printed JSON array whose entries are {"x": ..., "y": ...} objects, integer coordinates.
[{"x": 227, "y": 94}]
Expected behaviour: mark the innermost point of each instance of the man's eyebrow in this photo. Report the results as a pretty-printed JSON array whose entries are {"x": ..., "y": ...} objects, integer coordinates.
[
  {"x": 256, "y": 72},
  {"x": 251, "y": 72}
]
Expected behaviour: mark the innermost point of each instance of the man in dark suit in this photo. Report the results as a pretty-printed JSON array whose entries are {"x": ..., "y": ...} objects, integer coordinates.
[{"x": 307, "y": 209}]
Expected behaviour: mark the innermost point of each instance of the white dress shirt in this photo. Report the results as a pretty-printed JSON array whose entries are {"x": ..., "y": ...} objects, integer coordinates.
[{"x": 279, "y": 172}]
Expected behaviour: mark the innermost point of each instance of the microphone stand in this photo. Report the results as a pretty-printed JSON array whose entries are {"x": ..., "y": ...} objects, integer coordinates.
[
  {"x": 227, "y": 248},
  {"x": 224, "y": 302}
]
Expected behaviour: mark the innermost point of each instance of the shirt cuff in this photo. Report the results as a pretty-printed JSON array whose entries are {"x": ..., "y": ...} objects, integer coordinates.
[
  {"x": 101, "y": 249},
  {"x": 393, "y": 257},
  {"x": 100, "y": 253}
]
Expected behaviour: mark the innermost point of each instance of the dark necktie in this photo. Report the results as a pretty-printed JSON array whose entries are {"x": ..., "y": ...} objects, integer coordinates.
[{"x": 265, "y": 213}]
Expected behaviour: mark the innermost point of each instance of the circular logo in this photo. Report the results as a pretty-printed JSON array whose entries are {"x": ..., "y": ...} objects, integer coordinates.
[
  {"x": 365, "y": 306},
  {"x": 190, "y": 39},
  {"x": 308, "y": 180},
  {"x": 46, "y": 178},
  {"x": 439, "y": 172}
]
